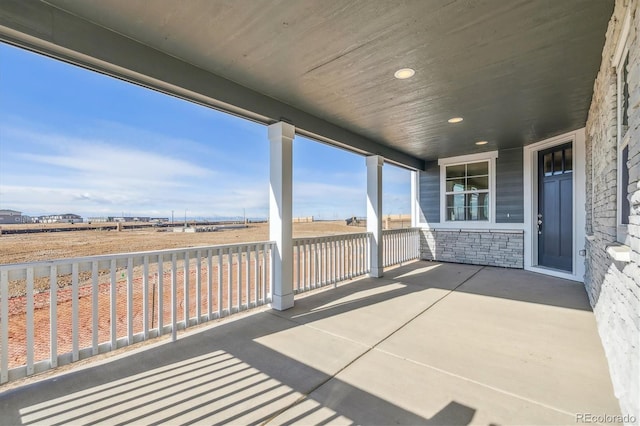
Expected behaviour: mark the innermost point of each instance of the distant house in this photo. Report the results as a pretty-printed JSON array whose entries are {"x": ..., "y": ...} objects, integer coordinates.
[
  {"x": 98, "y": 219},
  {"x": 10, "y": 216},
  {"x": 60, "y": 218},
  {"x": 130, "y": 219}
]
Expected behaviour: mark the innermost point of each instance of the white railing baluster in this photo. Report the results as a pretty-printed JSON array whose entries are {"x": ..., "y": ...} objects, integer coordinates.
[
  {"x": 307, "y": 266},
  {"x": 298, "y": 253},
  {"x": 198, "y": 285},
  {"x": 356, "y": 257},
  {"x": 332, "y": 272},
  {"x": 343, "y": 260},
  {"x": 160, "y": 283},
  {"x": 305, "y": 284},
  {"x": 359, "y": 257},
  {"x": 272, "y": 273},
  {"x": 350, "y": 257},
  {"x": 185, "y": 287},
  {"x": 95, "y": 313},
  {"x": 219, "y": 283},
  {"x": 113, "y": 305},
  {"x": 336, "y": 272},
  {"x": 229, "y": 281},
  {"x": 313, "y": 264},
  {"x": 209, "y": 285},
  {"x": 323, "y": 262},
  {"x": 30, "y": 323},
  {"x": 310, "y": 272},
  {"x": 394, "y": 249},
  {"x": 314, "y": 246},
  {"x": 255, "y": 274},
  {"x": 239, "y": 276},
  {"x": 75, "y": 313},
  {"x": 174, "y": 297},
  {"x": 339, "y": 259},
  {"x": 265, "y": 253},
  {"x": 129, "y": 300},
  {"x": 145, "y": 297},
  {"x": 53, "y": 316},
  {"x": 247, "y": 275}
]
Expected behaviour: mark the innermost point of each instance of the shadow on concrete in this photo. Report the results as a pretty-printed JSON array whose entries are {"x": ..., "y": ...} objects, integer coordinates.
[
  {"x": 226, "y": 374},
  {"x": 219, "y": 375},
  {"x": 512, "y": 284}
]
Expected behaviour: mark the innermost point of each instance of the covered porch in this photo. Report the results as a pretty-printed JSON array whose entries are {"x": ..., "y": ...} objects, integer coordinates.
[
  {"x": 429, "y": 343},
  {"x": 519, "y": 123}
]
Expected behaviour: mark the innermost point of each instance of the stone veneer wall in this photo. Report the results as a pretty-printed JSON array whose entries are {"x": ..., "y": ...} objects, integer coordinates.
[
  {"x": 614, "y": 287},
  {"x": 476, "y": 247}
]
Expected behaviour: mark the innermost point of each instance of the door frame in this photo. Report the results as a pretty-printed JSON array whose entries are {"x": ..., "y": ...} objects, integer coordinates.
[{"x": 530, "y": 153}]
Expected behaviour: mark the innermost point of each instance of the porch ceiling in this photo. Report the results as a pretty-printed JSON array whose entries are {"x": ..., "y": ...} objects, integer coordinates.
[{"x": 517, "y": 71}]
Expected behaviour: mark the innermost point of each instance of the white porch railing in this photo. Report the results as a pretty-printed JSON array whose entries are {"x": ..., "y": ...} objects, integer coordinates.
[
  {"x": 321, "y": 261},
  {"x": 56, "y": 312},
  {"x": 400, "y": 245}
]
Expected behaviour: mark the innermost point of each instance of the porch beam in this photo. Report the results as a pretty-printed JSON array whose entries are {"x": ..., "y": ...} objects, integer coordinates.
[
  {"x": 374, "y": 212},
  {"x": 281, "y": 136}
]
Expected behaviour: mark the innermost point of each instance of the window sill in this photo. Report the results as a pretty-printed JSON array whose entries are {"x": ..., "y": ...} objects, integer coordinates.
[{"x": 619, "y": 252}]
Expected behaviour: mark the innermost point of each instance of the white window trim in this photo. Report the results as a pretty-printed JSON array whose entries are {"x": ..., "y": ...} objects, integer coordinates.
[
  {"x": 619, "y": 57},
  {"x": 464, "y": 159}
]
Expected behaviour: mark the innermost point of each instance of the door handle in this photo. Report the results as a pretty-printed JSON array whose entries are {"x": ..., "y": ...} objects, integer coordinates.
[{"x": 539, "y": 224}]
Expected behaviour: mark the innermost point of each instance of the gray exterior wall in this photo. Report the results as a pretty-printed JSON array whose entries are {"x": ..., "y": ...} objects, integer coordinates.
[
  {"x": 430, "y": 193},
  {"x": 476, "y": 247},
  {"x": 613, "y": 286},
  {"x": 509, "y": 186},
  {"x": 509, "y": 189}
]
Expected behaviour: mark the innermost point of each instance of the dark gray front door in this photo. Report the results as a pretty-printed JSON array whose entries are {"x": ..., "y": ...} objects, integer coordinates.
[{"x": 555, "y": 208}]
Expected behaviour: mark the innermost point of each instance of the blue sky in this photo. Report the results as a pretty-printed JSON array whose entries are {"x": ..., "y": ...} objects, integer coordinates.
[{"x": 75, "y": 141}]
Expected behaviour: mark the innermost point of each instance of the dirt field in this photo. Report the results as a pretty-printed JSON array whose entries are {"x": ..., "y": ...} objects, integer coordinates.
[{"x": 58, "y": 245}]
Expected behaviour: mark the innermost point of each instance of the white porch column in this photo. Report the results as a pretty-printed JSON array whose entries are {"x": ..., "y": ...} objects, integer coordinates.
[
  {"x": 280, "y": 213},
  {"x": 374, "y": 212},
  {"x": 415, "y": 199}
]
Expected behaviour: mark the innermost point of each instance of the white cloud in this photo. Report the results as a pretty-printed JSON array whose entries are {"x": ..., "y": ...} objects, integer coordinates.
[{"x": 47, "y": 172}]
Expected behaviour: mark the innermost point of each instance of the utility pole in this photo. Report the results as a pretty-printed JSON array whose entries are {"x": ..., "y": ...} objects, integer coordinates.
[{"x": 172, "y": 217}]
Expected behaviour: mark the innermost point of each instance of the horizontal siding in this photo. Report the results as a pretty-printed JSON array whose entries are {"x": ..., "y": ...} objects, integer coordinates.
[
  {"x": 430, "y": 193},
  {"x": 509, "y": 186}
]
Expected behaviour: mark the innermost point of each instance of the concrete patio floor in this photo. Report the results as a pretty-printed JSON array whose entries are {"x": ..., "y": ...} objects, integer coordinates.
[{"x": 429, "y": 343}]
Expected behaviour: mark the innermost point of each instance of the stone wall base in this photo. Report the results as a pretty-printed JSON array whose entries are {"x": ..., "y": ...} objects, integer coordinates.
[{"x": 503, "y": 248}]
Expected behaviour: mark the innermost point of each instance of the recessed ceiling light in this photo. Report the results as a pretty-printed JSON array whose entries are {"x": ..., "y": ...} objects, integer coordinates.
[
  {"x": 482, "y": 143},
  {"x": 455, "y": 120},
  {"x": 404, "y": 73}
]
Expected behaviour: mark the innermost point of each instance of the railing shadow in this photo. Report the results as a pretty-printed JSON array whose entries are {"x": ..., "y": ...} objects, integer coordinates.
[
  {"x": 219, "y": 375},
  {"x": 226, "y": 374}
]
